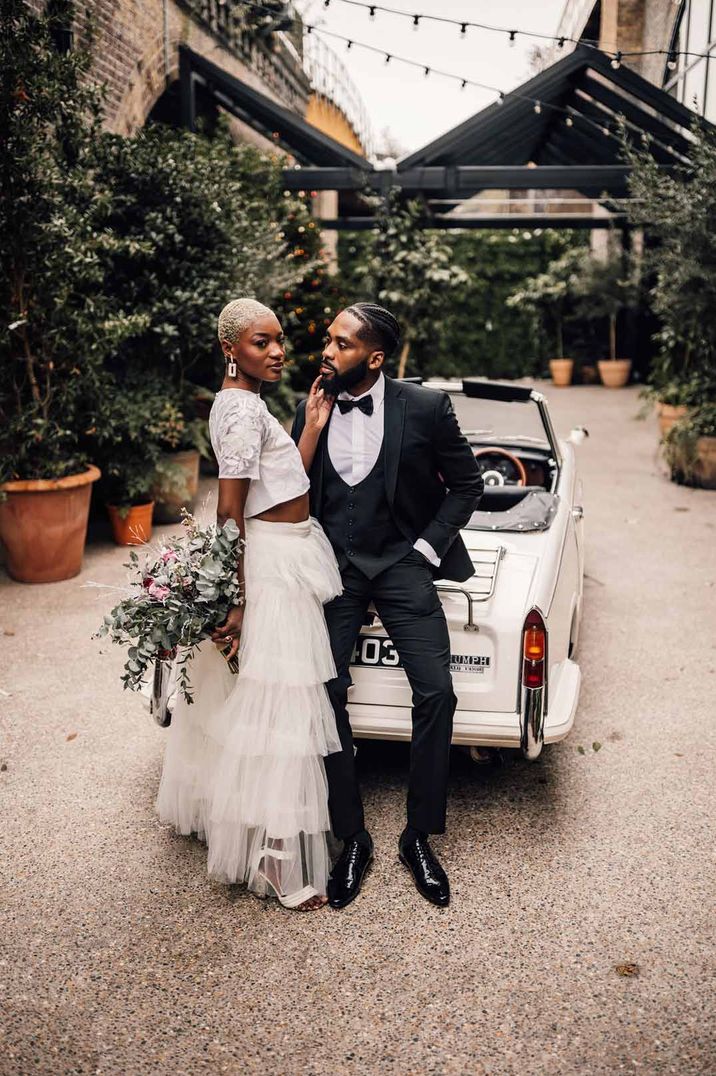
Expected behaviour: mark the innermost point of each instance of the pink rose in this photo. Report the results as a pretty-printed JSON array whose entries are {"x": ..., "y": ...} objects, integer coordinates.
[
  {"x": 147, "y": 581},
  {"x": 168, "y": 556},
  {"x": 158, "y": 592}
]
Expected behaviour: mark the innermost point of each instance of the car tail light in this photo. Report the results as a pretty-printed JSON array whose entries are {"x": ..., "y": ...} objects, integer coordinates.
[{"x": 534, "y": 650}]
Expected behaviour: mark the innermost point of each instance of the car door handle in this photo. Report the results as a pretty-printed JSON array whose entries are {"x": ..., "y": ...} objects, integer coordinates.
[{"x": 578, "y": 512}]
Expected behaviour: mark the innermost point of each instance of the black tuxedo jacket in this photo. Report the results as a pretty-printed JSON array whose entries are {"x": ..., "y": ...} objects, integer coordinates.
[{"x": 432, "y": 481}]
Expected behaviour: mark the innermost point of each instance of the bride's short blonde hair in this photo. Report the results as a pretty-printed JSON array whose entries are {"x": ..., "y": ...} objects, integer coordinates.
[{"x": 237, "y": 316}]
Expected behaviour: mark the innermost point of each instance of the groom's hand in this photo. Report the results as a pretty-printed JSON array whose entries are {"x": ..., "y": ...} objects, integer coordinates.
[{"x": 229, "y": 633}]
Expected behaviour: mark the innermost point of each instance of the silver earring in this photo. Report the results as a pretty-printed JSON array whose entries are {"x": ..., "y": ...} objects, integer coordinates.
[{"x": 231, "y": 366}]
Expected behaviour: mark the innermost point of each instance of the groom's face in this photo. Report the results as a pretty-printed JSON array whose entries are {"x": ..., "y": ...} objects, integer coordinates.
[{"x": 348, "y": 361}]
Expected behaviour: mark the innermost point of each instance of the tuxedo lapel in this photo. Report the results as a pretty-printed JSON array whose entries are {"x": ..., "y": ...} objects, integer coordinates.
[{"x": 394, "y": 421}]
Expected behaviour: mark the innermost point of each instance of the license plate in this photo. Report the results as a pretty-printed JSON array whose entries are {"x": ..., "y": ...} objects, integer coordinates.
[{"x": 371, "y": 650}]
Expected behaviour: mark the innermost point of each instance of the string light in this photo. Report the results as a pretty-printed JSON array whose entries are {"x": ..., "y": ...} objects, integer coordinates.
[
  {"x": 515, "y": 96},
  {"x": 371, "y": 13},
  {"x": 617, "y": 61},
  {"x": 560, "y": 41},
  {"x": 349, "y": 45}
]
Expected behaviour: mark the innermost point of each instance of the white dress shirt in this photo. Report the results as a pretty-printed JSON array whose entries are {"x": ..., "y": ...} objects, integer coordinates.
[{"x": 354, "y": 444}]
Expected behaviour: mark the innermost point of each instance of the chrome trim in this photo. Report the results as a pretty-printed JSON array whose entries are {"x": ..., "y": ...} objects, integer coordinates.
[
  {"x": 453, "y": 588},
  {"x": 532, "y": 714},
  {"x": 471, "y": 625},
  {"x": 541, "y": 402}
]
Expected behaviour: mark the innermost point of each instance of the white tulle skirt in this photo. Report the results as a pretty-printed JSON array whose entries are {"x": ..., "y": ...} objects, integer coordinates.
[{"x": 244, "y": 763}]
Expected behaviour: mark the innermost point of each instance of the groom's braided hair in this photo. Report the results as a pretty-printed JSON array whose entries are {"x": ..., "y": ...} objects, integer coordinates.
[{"x": 378, "y": 326}]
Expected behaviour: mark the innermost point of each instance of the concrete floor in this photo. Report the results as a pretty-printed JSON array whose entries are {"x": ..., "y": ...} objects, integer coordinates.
[{"x": 117, "y": 955}]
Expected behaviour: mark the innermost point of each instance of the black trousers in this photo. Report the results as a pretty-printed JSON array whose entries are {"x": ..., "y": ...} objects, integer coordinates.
[{"x": 408, "y": 604}]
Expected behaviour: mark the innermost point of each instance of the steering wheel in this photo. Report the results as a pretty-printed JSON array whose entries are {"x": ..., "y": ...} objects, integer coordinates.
[{"x": 496, "y": 478}]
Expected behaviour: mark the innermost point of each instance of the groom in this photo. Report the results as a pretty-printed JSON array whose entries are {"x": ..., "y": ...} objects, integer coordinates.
[{"x": 392, "y": 482}]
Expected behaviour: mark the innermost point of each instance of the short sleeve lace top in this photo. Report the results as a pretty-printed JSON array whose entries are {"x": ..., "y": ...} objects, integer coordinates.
[{"x": 250, "y": 443}]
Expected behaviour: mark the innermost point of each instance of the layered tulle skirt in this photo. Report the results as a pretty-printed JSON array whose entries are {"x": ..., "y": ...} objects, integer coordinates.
[{"x": 244, "y": 763}]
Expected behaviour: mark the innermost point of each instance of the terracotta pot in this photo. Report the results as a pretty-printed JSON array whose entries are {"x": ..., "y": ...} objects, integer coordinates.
[
  {"x": 132, "y": 525},
  {"x": 669, "y": 414},
  {"x": 172, "y": 497},
  {"x": 705, "y": 469},
  {"x": 614, "y": 372},
  {"x": 561, "y": 371},
  {"x": 43, "y": 526}
]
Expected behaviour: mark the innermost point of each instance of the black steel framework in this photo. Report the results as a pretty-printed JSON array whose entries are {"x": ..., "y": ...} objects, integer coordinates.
[{"x": 506, "y": 146}]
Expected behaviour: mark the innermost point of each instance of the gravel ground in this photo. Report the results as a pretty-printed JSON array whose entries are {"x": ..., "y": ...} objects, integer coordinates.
[{"x": 118, "y": 956}]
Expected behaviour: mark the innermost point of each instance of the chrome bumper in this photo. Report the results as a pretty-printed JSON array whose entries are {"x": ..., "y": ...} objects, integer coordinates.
[{"x": 532, "y": 714}]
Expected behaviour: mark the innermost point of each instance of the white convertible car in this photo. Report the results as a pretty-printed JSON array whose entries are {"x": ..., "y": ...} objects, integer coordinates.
[{"x": 514, "y": 625}]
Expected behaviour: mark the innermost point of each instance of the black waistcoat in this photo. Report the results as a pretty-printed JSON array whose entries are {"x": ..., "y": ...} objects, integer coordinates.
[{"x": 358, "y": 520}]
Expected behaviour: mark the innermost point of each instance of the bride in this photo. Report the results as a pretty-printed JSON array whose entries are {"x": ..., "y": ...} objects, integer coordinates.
[{"x": 244, "y": 764}]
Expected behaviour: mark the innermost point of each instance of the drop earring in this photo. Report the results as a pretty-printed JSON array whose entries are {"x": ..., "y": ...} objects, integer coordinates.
[{"x": 231, "y": 366}]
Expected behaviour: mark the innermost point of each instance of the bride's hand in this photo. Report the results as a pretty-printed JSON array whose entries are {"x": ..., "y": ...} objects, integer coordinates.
[
  {"x": 228, "y": 633},
  {"x": 318, "y": 407}
]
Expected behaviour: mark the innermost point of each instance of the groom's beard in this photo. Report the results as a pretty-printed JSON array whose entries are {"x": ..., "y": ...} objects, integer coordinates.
[{"x": 332, "y": 386}]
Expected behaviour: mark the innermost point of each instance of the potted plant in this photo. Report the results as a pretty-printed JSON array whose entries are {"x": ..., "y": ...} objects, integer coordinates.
[
  {"x": 56, "y": 322},
  {"x": 182, "y": 441},
  {"x": 676, "y": 212},
  {"x": 690, "y": 448},
  {"x": 129, "y": 501},
  {"x": 548, "y": 294},
  {"x": 604, "y": 289},
  {"x": 120, "y": 439}
]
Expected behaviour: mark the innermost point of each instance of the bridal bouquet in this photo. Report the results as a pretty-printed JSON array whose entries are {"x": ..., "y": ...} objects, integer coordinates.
[{"x": 177, "y": 597}]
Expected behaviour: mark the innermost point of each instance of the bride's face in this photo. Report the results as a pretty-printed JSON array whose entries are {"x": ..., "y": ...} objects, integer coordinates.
[{"x": 260, "y": 351}]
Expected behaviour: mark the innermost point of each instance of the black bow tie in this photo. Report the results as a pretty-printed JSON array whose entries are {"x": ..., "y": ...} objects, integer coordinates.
[{"x": 365, "y": 404}]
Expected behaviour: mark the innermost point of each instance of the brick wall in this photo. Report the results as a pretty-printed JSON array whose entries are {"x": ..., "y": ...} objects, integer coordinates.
[{"x": 128, "y": 46}]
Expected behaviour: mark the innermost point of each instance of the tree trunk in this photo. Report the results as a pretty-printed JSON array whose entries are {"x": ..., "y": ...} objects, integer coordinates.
[
  {"x": 403, "y": 361},
  {"x": 612, "y": 336},
  {"x": 560, "y": 340}
]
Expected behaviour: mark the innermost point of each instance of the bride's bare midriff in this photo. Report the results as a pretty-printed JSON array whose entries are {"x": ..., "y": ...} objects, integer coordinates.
[{"x": 294, "y": 511}]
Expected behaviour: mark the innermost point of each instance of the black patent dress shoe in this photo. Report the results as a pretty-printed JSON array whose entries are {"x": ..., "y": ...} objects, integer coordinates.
[
  {"x": 348, "y": 873},
  {"x": 430, "y": 879}
]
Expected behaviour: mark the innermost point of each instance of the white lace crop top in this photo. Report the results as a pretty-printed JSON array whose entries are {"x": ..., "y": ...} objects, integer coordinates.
[{"x": 250, "y": 443}]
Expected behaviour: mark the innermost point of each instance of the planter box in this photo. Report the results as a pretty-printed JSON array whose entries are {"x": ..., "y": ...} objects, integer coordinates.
[
  {"x": 669, "y": 415},
  {"x": 614, "y": 372},
  {"x": 43, "y": 526},
  {"x": 133, "y": 525},
  {"x": 561, "y": 371}
]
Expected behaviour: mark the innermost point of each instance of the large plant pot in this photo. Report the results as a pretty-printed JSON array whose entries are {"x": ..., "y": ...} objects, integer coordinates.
[
  {"x": 172, "y": 496},
  {"x": 561, "y": 371},
  {"x": 43, "y": 526},
  {"x": 614, "y": 372},
  {"x": 705, "y": 469},
  {"x": 133, "y": 525},
  {"x": 669, "y": 414}
]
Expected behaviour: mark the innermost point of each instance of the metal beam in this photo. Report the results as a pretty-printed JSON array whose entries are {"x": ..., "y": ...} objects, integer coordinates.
[
  {"x": 462, "y": 180},
  {"x": 495, "y": 221}
]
